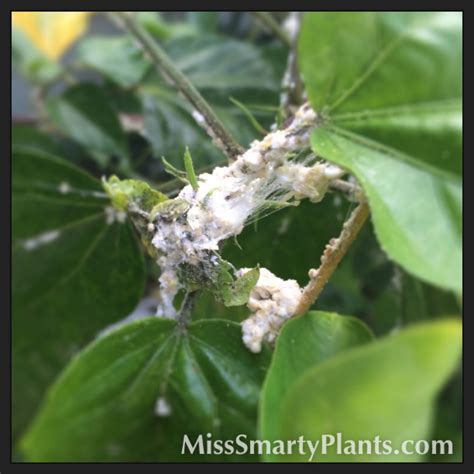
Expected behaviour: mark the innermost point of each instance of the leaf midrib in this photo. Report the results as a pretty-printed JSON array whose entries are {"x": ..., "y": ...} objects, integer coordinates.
[
  {"x": 394, "y": 154},
  {"x": 382, "y": 55}
]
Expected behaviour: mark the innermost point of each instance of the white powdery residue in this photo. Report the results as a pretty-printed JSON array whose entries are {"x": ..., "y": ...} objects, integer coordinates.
[
  {"x": 64, "y": 187},
  {"x": 333, "y": 172},
  {"x": 310, "y": 182},
  {"x": 272, "y": 302},
  {"x": 292, "y": 24},
  {"x": 226, "y": 198},
  {"x": 114, "y": 215},
  {"x": 40, "y": 240},
  {"x": 162, "y": 407},
  {"x": 198, "y": 117},
  {"x": 169, "y": 287}
]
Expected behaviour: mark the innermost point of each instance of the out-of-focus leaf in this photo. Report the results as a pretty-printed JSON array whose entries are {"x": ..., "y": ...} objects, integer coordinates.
[
  {"x": 117, "y": 58},
  {"x": 205, "y": 22},
  {"x": 76, "y": 268},
  {"x": 214, "y": 62},
  {"x": 154, "y": 24},
  {"x": 169, "y": 128},
  {"x": 386, "y": 388},
  {"x": 146, "y": 385},
  {"x": 304, "y": 342},
  {"x": 28, "y": 136},
  {"x": 370, "y": 76},
  {"x": 85, "y": 113}
]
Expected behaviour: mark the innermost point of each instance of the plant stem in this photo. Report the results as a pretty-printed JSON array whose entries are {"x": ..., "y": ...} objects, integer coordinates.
[
  {"x": 163, "y": 63},
  {"x": 184, "y": 314},
  {"x": 333, "y": 253},
  {"x": 267, "y": 20},
  {"x": 352, "y": 191},
  {"x": 292, "y": 86}
]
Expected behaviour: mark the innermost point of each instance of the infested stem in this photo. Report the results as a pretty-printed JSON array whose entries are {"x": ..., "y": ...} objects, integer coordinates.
[
  {"x": 172, "y": 187},
  {"x": 352, "y": 191},
  {"x": 333, "y": 254},
  {"x": 212, "y": 124},
  {"x": 184, "y": 313},
  {"x": 267, "y": 20}
]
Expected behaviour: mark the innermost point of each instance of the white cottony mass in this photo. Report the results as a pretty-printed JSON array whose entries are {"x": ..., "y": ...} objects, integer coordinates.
[{"x": 225, "y": 200}]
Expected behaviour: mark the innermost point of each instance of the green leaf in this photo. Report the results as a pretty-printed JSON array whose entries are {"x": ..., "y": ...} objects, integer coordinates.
[
  {"x": 204, "y": 22},
  {"x": 416, "y": 213},
  {"x": 386, "y": 388},
  {"x": 117, "y": 58},
  {"x": 85, "y": 113},
  {"x": 28, "y": 136},
  {"x": 188, "y": 166},
  {"x": 304, "y": 342},
  {"x": 126, "y": 192},
  {"x": 133, "y": 394},
  {"x": 74, "y": 270},
  {"x": 216, "y": 62},
  {"x": 238, "y": 291},
  {"x": 383, "y": 117},
  {"x": 154, "y": 24},
  {"x": 169, "y": 127}
]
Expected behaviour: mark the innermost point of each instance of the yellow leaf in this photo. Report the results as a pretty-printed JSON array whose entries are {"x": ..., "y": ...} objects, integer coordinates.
[{"x": 52, "y": 32}]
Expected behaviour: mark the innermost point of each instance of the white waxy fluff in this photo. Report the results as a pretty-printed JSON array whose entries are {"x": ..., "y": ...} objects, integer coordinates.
[
  {"x": 226, "y": 198},
  {"x": 272, "y": 301},
  {"x": 113, "y": 215}
]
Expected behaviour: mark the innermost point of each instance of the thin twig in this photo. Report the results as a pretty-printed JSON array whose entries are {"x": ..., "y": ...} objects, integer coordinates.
[
  {"x": 184, "y": 314},
  {"x": 292, "y": 85},
  {"x": 351, "y": 190},
  {"x": 267, "y": 20},
  {"x": 335, "y": 250},
  {"x": 212, "y": 124}
]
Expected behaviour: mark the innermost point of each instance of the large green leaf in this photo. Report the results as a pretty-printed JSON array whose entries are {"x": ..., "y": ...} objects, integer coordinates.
[
  {"x": 388, "y": 88},
  {"x": 133, "y": 394},
  {"x": 117, "y": 58},
  {"x": 87, "y": 115},
  {"x": 74, "y": 270},
  {"x": 303, "y": 343},
  {"x": 386, "y": 388}
]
